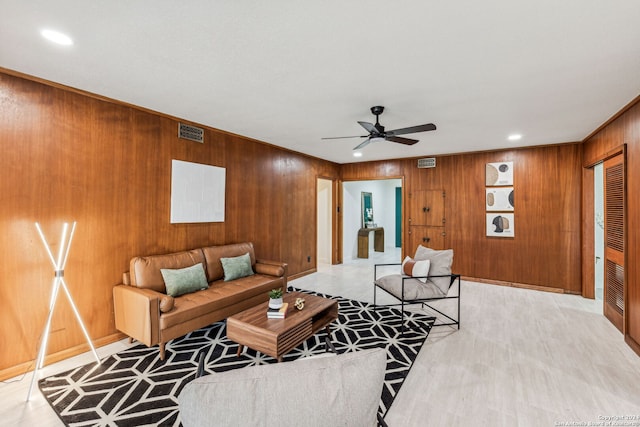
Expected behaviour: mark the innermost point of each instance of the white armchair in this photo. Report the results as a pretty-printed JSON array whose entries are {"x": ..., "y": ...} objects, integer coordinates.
[{"x": 423, "y": 280}]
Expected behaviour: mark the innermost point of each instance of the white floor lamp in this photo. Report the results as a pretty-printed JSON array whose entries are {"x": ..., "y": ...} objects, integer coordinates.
[{"x": 58, "y": 282}]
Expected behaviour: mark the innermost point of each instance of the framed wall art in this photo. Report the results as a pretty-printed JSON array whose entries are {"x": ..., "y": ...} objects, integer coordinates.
[
  {"x": 500, "y": 225},
  {"x": 499, "y": 199},
  {"x": 498, "y": 174}
]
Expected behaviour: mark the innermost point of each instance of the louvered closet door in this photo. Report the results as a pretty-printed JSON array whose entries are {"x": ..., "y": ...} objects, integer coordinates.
[{"x": 614, "y": 240}]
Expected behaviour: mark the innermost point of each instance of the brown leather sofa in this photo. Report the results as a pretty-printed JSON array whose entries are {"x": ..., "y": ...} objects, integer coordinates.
[{"x": 145, "y": 312}]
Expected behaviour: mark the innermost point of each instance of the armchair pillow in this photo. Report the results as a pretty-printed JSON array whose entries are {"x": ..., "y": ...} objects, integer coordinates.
[
  {"x": 440, "y": 265},
  {"x": 417, "y": 269}
]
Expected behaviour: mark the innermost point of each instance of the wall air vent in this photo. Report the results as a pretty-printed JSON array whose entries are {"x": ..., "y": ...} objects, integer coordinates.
[
  {"x": 427, "y": 163},
  {"x": 190, "y": 132}
]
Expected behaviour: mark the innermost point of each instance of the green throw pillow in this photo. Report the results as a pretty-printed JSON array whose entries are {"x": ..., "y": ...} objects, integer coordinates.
[
  {"x": 184, "y": 280},
  {"x": 236, "y": 267}
]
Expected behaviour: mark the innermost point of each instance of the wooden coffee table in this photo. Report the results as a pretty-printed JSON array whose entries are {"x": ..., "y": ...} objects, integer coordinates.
[{"x": 277, "y": 337}]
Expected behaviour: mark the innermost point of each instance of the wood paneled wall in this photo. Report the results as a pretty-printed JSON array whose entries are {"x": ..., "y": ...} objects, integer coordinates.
[
  {"x": 546, "y": 249},
  {"x": 68, "y": 156},
  {"x": 71, "y": 156},
  {"x": 625, "y": 129}
]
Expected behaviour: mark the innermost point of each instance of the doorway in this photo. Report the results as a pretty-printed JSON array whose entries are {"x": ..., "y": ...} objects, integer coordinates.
[
  {"x": 383, "y": 193},
  {"x": 598, "y": 191},
  {"x": 324, "y": 220},
  {"x": 398, "y": 217},
  {"x": 605, "y": 256}
]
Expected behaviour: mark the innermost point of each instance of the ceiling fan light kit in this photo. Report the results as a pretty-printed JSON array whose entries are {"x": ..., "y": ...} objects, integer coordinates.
[{"x": 377, "y": 132}]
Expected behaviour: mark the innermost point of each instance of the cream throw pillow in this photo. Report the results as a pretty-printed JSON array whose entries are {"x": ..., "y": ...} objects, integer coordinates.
[
  {"x": 417, "y": 269},
  {"x": 441, "y": 262}
]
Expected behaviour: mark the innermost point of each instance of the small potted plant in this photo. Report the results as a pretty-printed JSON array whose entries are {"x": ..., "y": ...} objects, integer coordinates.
[{"x": 275, "y": 298}]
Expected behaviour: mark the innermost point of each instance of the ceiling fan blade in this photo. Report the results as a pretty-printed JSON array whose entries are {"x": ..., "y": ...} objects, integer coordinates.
[
  {"x": 362, "y": 144},
  {"x": 412, "y": 129},
  {"x": 343, "y": 137},
  {"x": 401, "y": 140},
  {"x": 370, "y": 127}
]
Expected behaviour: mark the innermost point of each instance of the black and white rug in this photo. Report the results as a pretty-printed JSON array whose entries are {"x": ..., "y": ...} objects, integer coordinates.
[{"x": 135, "y": 388}]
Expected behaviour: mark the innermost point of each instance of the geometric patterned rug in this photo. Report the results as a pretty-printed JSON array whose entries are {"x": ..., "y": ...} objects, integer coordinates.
[{"x": 135, "y": 388}]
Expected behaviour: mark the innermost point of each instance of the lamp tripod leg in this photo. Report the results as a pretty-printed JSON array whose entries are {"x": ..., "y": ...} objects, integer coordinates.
[
  {"x": 58, "y": 281},
  {"x": 80, "y": 322},
  {"x": 45, "y": 335}
]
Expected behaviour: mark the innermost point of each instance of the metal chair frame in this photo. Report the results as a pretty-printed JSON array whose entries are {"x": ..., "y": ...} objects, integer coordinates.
[{"x": 422, "y": 301}]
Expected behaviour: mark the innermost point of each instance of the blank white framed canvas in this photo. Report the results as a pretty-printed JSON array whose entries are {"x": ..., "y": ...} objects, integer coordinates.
[{"x": 197, "y": 192}]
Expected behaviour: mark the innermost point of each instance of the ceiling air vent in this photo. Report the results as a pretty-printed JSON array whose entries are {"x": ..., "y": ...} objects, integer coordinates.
[
  {"x": 190, "y": 132},
  {"x": 427, "y": 163}
]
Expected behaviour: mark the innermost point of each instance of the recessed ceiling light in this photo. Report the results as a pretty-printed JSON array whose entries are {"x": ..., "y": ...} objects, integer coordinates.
[
  {"x": 357, "y": 154},
  {"x": 514, "y": 137},
  {"x": 57, "y": 37}
]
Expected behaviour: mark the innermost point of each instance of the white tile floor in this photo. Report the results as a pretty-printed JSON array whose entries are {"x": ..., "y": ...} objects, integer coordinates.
[{"x": 521, "y": 358}]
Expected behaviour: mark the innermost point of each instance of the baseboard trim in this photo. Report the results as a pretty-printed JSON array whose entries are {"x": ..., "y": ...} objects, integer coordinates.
[
  {"x": 520, "y": 285},
  {"x": 28, "y": 366},
  {"x": 302, "y": 274}
]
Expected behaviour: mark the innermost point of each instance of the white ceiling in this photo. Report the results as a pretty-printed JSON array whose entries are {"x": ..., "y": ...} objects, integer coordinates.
[{"x": 289, "y": 73}]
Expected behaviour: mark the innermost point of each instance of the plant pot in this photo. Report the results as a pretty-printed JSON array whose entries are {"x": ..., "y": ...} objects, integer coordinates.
[{"x": 275, "y": 302}]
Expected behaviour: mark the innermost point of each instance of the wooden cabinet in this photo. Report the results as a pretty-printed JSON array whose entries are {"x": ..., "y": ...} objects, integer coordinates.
[
  {"x": 426, "y": 207},
  {"x": 426, "y": 217},
  {"x": 431, "y": 237}
]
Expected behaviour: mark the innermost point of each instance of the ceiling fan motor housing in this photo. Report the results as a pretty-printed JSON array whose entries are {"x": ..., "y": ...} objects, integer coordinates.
[{"x": 377, "y": 110}]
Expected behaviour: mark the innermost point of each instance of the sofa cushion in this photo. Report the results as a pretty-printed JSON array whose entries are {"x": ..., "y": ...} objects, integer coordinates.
[
  {"x": 219, "y": 296},
  {"x": 184, "y": 280},
  {"x": 145, "y": 271},
  {"x": 212, "y": 255},
  {"x": 440, "y": 265},
  {"x": 236, "y": 267},
  {"x": 413, "y": 288}
]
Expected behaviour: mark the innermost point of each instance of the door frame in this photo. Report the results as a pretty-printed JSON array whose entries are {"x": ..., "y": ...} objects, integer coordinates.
[
  {"x": 336, "y": 218},
  {"x": 340, "y": 233},
  {"x": 588, "y": 228},
  {"x": 399, "y": 224},
  {"x": 336, "y": 233}
]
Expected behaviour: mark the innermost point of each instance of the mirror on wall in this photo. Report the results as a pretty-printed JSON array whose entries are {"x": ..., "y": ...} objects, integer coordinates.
[{"x": 367, "y": 210}]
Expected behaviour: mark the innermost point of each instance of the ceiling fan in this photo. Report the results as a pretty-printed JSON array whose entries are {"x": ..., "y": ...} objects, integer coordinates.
[{"x": 377, "y": 132}]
